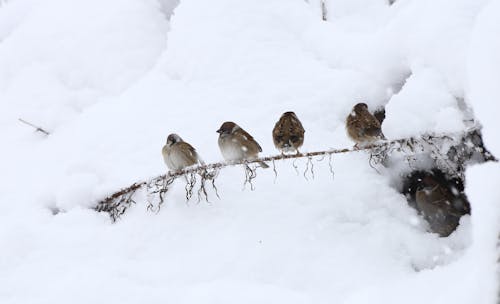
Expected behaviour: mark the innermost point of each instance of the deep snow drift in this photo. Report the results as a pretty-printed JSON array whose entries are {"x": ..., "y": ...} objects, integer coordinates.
[{"x": 111, "y": 79}]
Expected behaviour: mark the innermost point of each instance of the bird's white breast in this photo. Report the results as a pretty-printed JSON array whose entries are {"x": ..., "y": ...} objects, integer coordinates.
[{"x": 231, "y": 149}]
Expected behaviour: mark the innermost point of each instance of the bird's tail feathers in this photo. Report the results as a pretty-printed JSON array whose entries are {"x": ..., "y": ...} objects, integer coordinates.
[{"x": 200, "y": 160}]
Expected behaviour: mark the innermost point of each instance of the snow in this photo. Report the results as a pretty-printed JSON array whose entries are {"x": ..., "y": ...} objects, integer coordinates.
[
  {"x": 110, "y": 80},
  {"x": 483, "y": 62},
  {"x": 424, "y": 104}
]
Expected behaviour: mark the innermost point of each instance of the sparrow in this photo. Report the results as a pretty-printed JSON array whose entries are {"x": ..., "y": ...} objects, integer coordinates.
[
  {"x": 441, "y": 205},
  {"x": 288, "y": 133},
  {"x": 178, "y": 154},
  {"x": 236, "y": 144},
  {"x": 362, "y": 127}
]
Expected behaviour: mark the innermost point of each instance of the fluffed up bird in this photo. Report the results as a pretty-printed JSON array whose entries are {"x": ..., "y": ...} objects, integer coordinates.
[
  {"x": 440, "y": 205},
  {"x": 236, "y": 144},
  {"x": 178, "y": 154},
  {"x": 288, "y": 133},
  {"x": 362, "y": 127}
]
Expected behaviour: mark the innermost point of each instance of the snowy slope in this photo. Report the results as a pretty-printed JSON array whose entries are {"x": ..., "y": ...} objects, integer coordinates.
[{"x": 111, "y": 79}]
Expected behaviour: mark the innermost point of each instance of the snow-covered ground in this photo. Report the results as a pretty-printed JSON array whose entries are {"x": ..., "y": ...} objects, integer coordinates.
[{"x": 111, "y": 79}]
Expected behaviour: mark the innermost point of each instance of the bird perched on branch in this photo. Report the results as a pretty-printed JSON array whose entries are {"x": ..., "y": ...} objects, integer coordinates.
[
  {"x": 236, "y": 144},
  {"x": 178, "y": 154},
  {"x": 288, "y": 133},
  {"x": 362, "y": 127}
]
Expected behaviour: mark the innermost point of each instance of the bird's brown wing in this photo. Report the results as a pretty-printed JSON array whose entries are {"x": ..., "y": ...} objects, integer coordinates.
[
  {"x": 296, "y": 127},
  {"x": 277, "y": 134},
  {"x": 197, "y": 156},
  {"x": 288, "y": 126},
  {"x": 189, "y": 154},
  {"x": 354, "y": 127},
  {"x": 372, "y": 126},
  {"x": 249, "y": 139},
  {"x": 280, "y": 128},
  {"x": 442, "y": 196},
  {"x": 277, "y": 128}
]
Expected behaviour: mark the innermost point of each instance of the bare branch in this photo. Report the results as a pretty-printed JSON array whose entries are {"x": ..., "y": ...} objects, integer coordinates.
[
  {"x": 117, "y": 203},
  {"x": 450, "y": 152},
  {"x": 37, "y": 128}
]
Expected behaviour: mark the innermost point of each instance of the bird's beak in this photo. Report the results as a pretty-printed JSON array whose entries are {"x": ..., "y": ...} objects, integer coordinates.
[{"x": 219, "y": 131}]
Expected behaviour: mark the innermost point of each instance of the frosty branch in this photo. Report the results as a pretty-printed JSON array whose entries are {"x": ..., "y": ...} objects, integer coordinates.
[{"x": 450, "y": 152}]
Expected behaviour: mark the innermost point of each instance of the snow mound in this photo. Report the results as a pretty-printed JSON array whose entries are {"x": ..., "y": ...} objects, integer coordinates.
[{"x": 110, "y": 80}]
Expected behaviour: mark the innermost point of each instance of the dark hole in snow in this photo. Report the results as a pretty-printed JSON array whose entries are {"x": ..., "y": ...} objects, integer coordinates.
[
  {"x": 379, "y": 114},
  {"x": 430, "y": 193}
]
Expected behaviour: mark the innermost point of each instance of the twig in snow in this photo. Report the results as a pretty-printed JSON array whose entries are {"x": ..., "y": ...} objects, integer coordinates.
[
  {"x": 324, "y": 12},
  {"x": 37, "y": 128}
]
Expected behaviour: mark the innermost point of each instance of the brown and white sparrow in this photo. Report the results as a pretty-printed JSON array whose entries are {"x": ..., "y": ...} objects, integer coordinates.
[
  {"x": 440, "y": 205},
  {"x": 178, "y": 154},
  {"x": 236, "y": 144},
  {"x": 362, "y": 127},
  {"x": 288, "y": 133}
]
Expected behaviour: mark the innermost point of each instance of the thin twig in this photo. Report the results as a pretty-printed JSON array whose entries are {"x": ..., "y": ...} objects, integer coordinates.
[
  {"x": 330, "y": 156},
  {"x": 275, "y": 172},
  {"x": 324, "y": 12},
  {"x": 37, "y": 128}
]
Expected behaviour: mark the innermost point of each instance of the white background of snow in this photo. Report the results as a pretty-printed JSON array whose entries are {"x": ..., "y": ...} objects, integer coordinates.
[{"x": 111, "y": 80}]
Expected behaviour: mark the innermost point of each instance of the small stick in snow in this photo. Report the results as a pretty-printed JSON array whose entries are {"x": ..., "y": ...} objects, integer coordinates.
[
  {"x": 324, "y": 12},
  {"x": 37, "y": 128}
]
